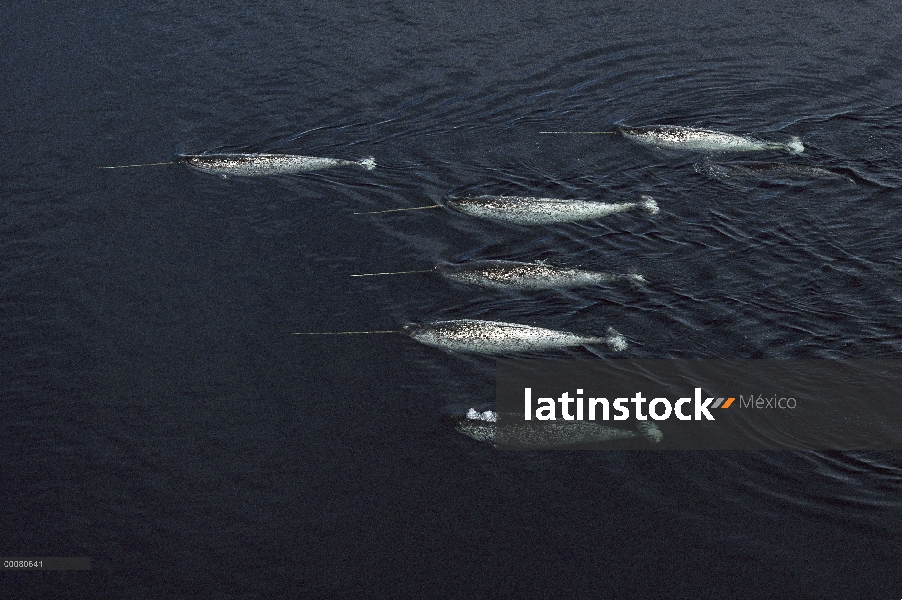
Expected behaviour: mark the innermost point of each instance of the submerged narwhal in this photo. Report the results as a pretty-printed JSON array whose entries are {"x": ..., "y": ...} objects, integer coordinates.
[
  {"x": 527, "y": 210},
  {"x": 509, "y": 274},
  {"x": 514, "y": 275},
  {"x": 751, "y": 172},
  {"x": 546, "y": 435},
  {"x": 254, "y": 165},
  {"x": 704, "y": 140},
  {"x": 496, "y": 337}
]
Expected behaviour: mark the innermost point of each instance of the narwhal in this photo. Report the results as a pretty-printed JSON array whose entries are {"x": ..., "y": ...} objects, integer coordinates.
[
  {"x": 528, "y": 210},
  {"x": 704, "y": 140},
  {"x": 757, "y": 171},
  {"x": 494, "y": 337},
  {"x": 547, "y": 435},
  {"x": 513, "y": 275},
  {"x": 255, "y": 165}
]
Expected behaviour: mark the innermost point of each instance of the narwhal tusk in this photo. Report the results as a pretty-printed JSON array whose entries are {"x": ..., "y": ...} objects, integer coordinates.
[
  {"x": 392, "y": 273},
  {"x": 582, "y": 132},
  {"x": 171, "y": 162},
  {"x": 344, "y": 332},
  {"x": 376, "y": 212}
]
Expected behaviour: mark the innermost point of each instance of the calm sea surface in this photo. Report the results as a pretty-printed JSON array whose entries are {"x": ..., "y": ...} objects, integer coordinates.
[{"x": 158, "y": 416}]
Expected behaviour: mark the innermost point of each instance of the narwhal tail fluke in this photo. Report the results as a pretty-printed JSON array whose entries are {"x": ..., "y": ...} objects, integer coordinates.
[
  {"x": 650, "y": 430},
  {"x": 615, "y": 340},
  {"x": 368, "y": 163},
  {"x": 795, "y": 145},
  {"x": 649, "y": 204},
  {"x": 635, "y": 278}
]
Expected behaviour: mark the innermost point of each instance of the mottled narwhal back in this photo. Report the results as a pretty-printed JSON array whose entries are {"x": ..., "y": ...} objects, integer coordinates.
[
  {"x": 505, "y": 274},
  {"x": 495, "y": 337},
  {"x": 255, "y": 165},
  {"x": 704, "y": 140},
  {"x": 528, "y": 210}
]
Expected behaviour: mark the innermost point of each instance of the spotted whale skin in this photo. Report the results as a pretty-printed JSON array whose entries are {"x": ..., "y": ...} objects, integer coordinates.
[
  {"x": 507, "y": 274},
  {"x": 496, "y": 337},
  {"x": 527, "y": 210},
  {"x": 704, "y": 140},
  {"x": 254, "y": 165}
]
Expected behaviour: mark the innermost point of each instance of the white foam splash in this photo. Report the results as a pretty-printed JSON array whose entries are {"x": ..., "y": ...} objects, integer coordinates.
[
  {"x": 649, "y": 204},
  {"x": 615, "y": 340},
  {"x": 651, "y": 431},
  {"x": 489, "y": 415}
]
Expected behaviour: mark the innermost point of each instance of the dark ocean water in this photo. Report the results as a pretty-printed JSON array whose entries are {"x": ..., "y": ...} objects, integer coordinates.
[{"x": 158, "y": 417}]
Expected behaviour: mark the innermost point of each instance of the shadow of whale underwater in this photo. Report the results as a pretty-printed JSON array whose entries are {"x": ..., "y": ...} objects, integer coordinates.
[{"x": 547, "y": 435}]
